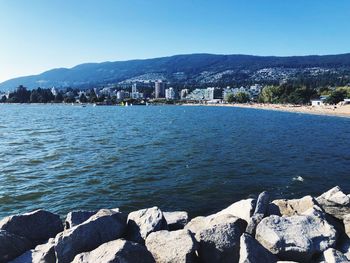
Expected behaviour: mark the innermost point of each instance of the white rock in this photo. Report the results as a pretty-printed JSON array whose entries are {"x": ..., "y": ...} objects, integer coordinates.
[
  {"x": 143, "y": 222},
  {"x": 118, "y": 251},
  {"x": 335, "y": 202},
  {"x": 104, "y": 226},
  {"x": 260, "y": 212},
  {"x": 175, "y": 246},
  {"x": 296, "y": 238},
  {"x": 334, "y": 256},
  {"x": 293, "y": 206},
  {"x": 251, "y": 251},
  {"x": 243, "y": 209},
  {"x": 176, "y": 220}
]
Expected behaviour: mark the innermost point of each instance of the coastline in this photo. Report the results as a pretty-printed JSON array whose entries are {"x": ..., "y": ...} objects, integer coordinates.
[{"x": 338, "y": 111}]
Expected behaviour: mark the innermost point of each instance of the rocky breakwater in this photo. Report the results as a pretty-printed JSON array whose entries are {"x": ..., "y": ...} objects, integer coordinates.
[{"x": 252, "y": 230}]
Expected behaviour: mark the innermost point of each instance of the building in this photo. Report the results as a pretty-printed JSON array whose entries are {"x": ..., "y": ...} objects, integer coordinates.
[
  {"x": 134, "y": 92},
  {"x": 319, "y": 102},
  {"x": 170, "y": 94},
  {"x": 184, "y": 93},
  {"x": 120, "y": 95},
  {"x": 159, "y": 89},
  {"x": 212, "y": 94},
  {"x": 54, "y": 91}
]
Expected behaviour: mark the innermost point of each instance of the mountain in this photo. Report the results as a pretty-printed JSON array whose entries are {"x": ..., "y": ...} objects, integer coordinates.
[{"x": 188, "y": 69}]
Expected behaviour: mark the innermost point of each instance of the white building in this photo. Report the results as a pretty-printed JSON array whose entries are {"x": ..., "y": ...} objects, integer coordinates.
[
  {"x": 134, "y": 92},
  {"x": 184, "y": 93},
  {"x": 170, "y": 94},
  {"x": 54, "y": 91}
]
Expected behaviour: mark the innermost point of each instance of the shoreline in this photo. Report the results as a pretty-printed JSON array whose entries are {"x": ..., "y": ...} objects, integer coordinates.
[
  {"x": 255, "y": 230},
  {"x": 337, "y": 111}
]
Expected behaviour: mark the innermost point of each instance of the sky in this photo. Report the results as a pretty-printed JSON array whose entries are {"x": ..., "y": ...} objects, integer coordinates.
[{"x": 38, "y": 35}]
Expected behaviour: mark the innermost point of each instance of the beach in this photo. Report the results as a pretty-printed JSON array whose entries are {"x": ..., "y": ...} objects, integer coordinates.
[{"x": 332, "y": 110}]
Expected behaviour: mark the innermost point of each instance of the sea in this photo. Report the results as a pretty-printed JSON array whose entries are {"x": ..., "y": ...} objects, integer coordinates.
[{"x": 194, "y": 158}]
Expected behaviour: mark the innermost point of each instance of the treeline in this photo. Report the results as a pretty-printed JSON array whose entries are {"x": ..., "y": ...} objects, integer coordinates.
[
  {"x": 39, "y": 95},
  {"x": 298, "y": 94}
]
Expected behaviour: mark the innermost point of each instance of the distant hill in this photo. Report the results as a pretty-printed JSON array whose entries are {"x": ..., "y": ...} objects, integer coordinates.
[{"x": 187, "y": 69}]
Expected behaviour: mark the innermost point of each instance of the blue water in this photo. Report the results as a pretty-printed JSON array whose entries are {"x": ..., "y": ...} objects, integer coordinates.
[{"x": 198, "y": 159}]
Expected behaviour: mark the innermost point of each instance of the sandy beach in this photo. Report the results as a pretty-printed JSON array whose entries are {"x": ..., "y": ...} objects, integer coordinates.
[{"x": 336, "y": 110}]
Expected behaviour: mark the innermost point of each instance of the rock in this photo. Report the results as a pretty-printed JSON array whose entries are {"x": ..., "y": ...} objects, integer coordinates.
[
  {"x": 296, "y": 238},
  {"x": 143, "y": 222},
  {"x": 176, "y": 246},
  {"x": 334, "y": 256},
  {"x": 344, "y": 247},
  {"x": 37, "y": 226},
  {"x": 335, "y": 202},
  {"x": 293, "y": 206},
  {"x": 41, "y": 254},
  {"x": 176, "y": 220},
  {"x": 218, "y": 237},
  {"x": 251, "y": 251},
  {"x": 75, "y": 218},
  {"x": 12, "y": 246},
  {"x": 118, "y": 251},
  {"x": 346, "y": 222},
  {"x": 261, "y": 209},
  {"x": 243, "y": 209},
  {"x": 104, "y": 226}
]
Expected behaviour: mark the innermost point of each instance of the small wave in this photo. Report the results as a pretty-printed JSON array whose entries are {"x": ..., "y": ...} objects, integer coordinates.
[{"x": 298, "y": 178}]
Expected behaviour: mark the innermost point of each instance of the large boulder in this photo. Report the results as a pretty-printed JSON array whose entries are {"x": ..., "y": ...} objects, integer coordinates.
[
  {"x": 176, "y": 220},
  {"x": 143, "y": 222},
  {"x": 251, "y": 251},
  {"x": 243, "y": 209},
  {"x": 260, "y": 211},
  {"x": 344, "y": 247},
  {"x": 296, "y": 238},
  {"x": 75, "y": 218},
  {"x": 218, "y": 237},
  {"x": 44, "y": 253},
  {"x": 335, "y": 202},
  {"x": 291, "y": 207},
  {"x": 116, "y": 251},
  {"x": 37, "y": 226},
  {"x": 175, "y": 246},
  {"x": 104, "y": 226},
  {"x": 12, "y": 246},
  {"x": 334, "y": 256}
]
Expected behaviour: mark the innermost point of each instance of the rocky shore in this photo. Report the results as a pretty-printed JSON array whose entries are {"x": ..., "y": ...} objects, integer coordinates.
[{"x": 309, "y": 229}]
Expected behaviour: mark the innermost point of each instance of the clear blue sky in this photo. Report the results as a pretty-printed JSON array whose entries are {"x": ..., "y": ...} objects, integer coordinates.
[{"x": 37, "y": 35}]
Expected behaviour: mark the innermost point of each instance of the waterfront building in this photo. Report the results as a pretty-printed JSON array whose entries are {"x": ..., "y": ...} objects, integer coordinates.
[
  {"x": 212, "y": 94},
  {"x": 184, "y": 93},
  {"x": 120, "y": 95},
  {"x": 159, "y": 89},
  {"x": 134, "y": 92},
  {"x": 197, "y": 94},
  {"x": 170, "y": 94}
]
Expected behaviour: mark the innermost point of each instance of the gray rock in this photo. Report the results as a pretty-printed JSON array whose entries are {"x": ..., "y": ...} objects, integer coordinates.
[
  {"x": 334, "y": 256},
  {"x": 218, "y": 237},
  {"x": 296, "y": 238},
  {"x": 243, "y": 209},
  {"x": 344, "y": 247},
  {"x": 251, "y": 251},
  {"x": 175, "y": 246},
  {"x": 261, "y": 209},
  {"x": 176, "y": 220},
  {"x": 143, "y": 222},
  {"x": 12, "y": 246},
  {"x": 293, "y": 206},
  {"x": 75, "y": 218},
  {"x": 41, "y": 254},
  {"x": 335, "y": 202},
  {"x": 104, "y": 226},
  {"x": 346, "y": 222},
  {"x": 37, "y": 226},
  {"x": 117, "y": 251}
]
